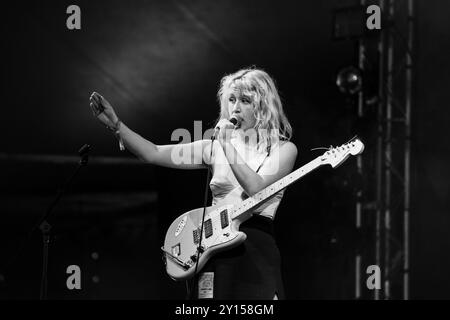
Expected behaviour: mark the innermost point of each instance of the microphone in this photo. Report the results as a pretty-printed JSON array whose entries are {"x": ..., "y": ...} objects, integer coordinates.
[
  {"x": 84, "y": 153},
  {"x": 233, "y": 119},
  {"x": 84, "y": 150}
]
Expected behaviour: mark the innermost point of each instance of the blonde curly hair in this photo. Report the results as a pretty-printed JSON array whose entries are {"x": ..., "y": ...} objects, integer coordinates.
[{"x": 271, "y": 124}]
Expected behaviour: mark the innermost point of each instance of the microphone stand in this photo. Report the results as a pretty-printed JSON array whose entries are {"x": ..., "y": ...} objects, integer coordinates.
[
  {"x": 194, "y": 286},
  {"x": 45, "y": 227}
]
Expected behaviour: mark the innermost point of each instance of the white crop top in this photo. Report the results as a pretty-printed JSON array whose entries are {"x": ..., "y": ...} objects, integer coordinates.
[{"x": 223, "y": 181}]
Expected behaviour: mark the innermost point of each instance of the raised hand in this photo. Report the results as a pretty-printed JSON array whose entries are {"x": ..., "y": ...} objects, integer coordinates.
[{"x": 103, "y": 110}]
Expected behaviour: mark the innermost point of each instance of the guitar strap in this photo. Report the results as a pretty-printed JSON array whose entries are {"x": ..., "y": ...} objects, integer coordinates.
[{"x": 267, "y": 155}]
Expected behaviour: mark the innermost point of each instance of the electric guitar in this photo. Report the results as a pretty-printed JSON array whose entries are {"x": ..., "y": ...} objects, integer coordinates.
[{"x": 182, "y": 249}]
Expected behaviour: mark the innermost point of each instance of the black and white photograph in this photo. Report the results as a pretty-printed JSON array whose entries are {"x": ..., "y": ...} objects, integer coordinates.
[{"x": 248, "y": 152}]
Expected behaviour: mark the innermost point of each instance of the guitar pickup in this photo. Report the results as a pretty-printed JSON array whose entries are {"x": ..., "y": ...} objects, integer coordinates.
[{"x": 224, "y": 219}]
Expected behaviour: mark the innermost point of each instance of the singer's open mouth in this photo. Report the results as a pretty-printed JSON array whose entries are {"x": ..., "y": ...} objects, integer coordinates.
[{"x": 237, "y": 116}]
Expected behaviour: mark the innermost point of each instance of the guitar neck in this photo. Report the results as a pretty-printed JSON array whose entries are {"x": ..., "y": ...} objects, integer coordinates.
[{"x": 275, "y": 187}]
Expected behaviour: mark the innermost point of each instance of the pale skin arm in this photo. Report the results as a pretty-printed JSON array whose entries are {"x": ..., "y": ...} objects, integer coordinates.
[
  {"x": 165, "y": 155},
  {"x": 249, "y": 180},
  {"x": 162, "y": 155},
  {"x": 147, "y": 151}
]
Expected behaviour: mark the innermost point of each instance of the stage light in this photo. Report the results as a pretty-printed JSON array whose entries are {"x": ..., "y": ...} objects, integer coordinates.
[{"x": 349, "y": 80}]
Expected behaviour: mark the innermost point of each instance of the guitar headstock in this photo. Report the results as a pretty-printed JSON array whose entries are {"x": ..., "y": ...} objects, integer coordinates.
[{"x": 336, "y": 156}]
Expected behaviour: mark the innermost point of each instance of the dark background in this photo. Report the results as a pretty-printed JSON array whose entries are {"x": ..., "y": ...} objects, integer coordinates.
[{"x": 159, "y": 63}]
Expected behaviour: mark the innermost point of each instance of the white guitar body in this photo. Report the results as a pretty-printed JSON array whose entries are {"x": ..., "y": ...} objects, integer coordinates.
[
  {"x": 221, "y": 232},
  {"x": 222, "y": 221}
]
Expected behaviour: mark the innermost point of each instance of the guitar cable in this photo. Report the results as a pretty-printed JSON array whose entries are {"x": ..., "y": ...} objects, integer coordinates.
[{"x": 205, "y": 203}]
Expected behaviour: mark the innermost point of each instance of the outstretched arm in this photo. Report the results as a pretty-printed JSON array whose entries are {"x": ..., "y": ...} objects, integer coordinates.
[{"x": 180, "y": 156}]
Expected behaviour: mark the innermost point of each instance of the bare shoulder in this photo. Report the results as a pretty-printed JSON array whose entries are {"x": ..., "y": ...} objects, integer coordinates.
[{"x": 287, "y": 147}]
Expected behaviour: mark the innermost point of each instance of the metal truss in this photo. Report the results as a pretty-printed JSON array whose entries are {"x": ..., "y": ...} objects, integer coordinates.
[{"x": 383, "y": 200}]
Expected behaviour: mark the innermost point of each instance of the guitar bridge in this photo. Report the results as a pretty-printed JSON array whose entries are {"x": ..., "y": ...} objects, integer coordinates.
[{"x": 182, "y": 264}]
